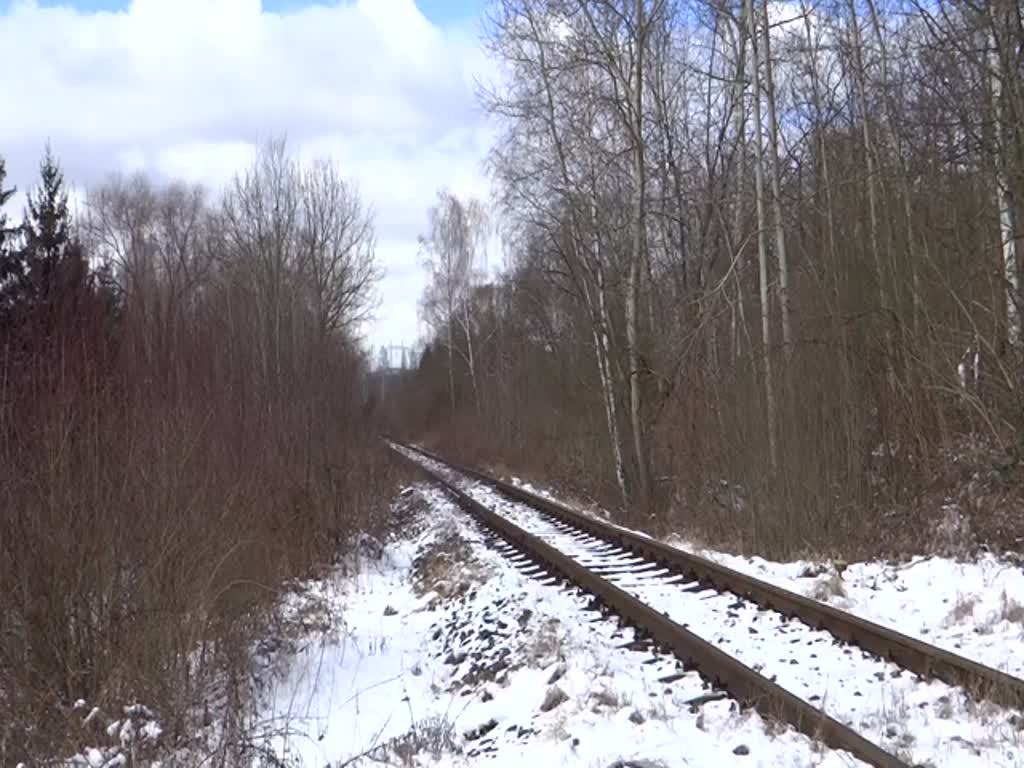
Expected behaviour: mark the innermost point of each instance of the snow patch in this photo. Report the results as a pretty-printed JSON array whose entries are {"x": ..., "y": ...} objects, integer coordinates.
[{"x": 466, "y": 667}]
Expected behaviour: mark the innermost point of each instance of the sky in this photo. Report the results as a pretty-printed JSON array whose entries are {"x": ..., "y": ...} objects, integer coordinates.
[{"x": 186, "y": 89}]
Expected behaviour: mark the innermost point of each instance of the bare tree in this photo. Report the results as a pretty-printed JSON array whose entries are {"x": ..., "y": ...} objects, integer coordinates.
[
  {"x": 1002, "y": 65},
  {"x": 767, "y": 87},
  {"x": 647, "y": 150},
  {"x": 762, "y": 234},
  {"x": 335, "y": 257},
  {"x": 541, "y": 41},
  {"x": 454, "y": 251},
  {"x": 189, "y": 435}
]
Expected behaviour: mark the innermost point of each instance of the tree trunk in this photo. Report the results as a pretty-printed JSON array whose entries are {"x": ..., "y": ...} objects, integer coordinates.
[
  {"x": 599, "y": 324},
  {"x": 889, "y": 126},
  {"x": 602, "y": 348},
  {"x": 773, "y": 158},
  {"x": 833, "y": 289},
  {"x": 611, "y": 410},
  {"x": 451, "y": 361},
  {"x": 872, "y": 179},
  {"x": 739, "y": 320},
  {"x": 762, "y": 244},
  {"x": 1004, "y": 205},
  {"x": 636, "y": 262},
  {"x": 470, "y": 359}
]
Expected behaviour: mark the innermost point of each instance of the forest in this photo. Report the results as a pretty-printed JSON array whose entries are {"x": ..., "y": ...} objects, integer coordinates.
[
  {"x": 184, "y": 427},
  {"x": 760, "y": 274},
  {"x": 758, "y": 284}
]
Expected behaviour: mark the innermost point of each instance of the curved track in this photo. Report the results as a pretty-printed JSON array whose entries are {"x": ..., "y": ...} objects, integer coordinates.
[{"x": 828, "y": 673}]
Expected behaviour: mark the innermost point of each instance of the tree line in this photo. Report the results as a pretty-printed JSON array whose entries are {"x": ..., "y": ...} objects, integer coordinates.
[
  {"x": 761, "y": 264},
  {"x": 184, "y": 426}
]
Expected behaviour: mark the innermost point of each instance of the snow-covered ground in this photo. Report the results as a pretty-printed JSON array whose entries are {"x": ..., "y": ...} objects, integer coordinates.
[
  {"x": 923, "y": 722},
  {"x": 448, "y": 653},
  {"x": 135, "y": 732},
  {"x": 972, "y": 608}
]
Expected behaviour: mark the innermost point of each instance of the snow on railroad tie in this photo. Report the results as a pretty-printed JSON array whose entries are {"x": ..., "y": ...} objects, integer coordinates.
[
  {"x": 449, "y": 655},
  {"x": 924, "y": 722},
  {"x": 970, "y": 606},
  {"x": 973, "y": 608}
]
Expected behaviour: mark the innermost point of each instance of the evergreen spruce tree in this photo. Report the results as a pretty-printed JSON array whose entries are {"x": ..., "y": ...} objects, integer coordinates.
[
  {"x": 5, "y": 196},
  {"x": 47, "y": 230},
  {"x": 11, "y": 267},
  {"x": 57, "y": 276},
  {"x": 45, "y": 280}
]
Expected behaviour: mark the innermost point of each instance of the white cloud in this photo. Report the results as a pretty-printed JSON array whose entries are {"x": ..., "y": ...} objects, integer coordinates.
[{"x": 186, "y": 88}]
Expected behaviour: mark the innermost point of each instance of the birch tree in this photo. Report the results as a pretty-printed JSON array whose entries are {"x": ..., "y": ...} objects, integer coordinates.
[
  {"x": 781, "y": 256},
  {"x": 1001, "y": 63},
  {"x": 454, "y": 251},
  {"x": 762, "y": 234},
  {"x": 837, "y": 193},
  {"x": 336, "y": 243}
]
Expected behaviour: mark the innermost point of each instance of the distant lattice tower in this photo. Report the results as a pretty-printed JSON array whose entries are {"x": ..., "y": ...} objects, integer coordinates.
[{"x": 393, "y": 358}]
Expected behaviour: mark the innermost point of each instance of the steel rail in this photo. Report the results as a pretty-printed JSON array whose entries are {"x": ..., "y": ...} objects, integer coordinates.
[
  {"x": 748, "y": 687},
  {"x": 928, "y": 661}
]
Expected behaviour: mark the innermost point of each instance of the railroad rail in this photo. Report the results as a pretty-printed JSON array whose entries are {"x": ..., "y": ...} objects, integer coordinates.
[
  {"x": 738, "y": 680},
  {"x": 928, "y": 661},
  {"x": 744, "y": 683}
]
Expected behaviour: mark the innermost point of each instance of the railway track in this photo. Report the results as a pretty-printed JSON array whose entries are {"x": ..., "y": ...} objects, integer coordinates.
[{"x": 831, "y": 675}]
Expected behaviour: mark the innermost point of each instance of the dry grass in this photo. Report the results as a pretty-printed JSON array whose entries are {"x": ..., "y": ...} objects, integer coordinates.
[
  {"x": 962, "y": 609},
  {"x": 547, "y": 643},
  {"x": 433, "y": 737},
  {"x": 447, "y": 567},
  {"x": 606, "y": 698},
  {"x": 1011, "y": 610},
  {"x": 828, "y": 587}
]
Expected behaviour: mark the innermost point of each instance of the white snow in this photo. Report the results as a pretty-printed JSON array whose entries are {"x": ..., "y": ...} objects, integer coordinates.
[
  {"x": 971, "y": 608},
  {"x": 454, "y": 681},
  {"x": 350, "y": 691},
  {"x": 138, "y": 728},
  {"x": 929, "y": 722},
  {"x": 151, "y": 730}
]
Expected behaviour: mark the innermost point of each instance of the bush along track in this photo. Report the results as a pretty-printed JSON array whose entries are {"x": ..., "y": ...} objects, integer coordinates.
[{"x": 841, "y": 686}]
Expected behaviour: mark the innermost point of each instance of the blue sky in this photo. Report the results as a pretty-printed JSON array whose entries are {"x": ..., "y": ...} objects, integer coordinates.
[
  {"x": 184, "y": 89},
  {"x": 438, "y": 11}
]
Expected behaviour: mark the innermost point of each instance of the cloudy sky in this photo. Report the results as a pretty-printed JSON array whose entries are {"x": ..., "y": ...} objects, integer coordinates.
[{"x": 186, "y": 88}]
